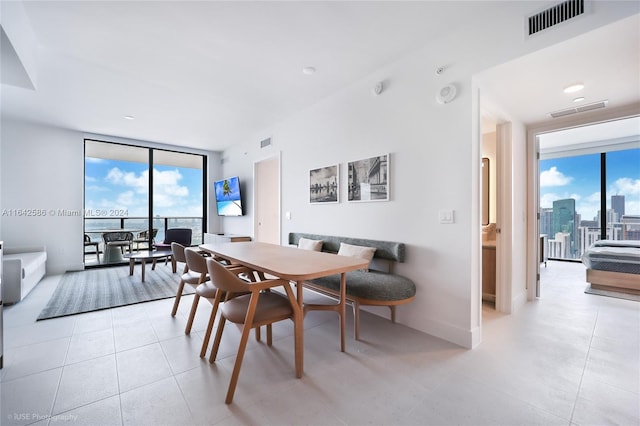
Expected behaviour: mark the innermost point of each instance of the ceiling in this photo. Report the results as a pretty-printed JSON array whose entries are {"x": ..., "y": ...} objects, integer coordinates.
[{"x": 209, "y": 74}]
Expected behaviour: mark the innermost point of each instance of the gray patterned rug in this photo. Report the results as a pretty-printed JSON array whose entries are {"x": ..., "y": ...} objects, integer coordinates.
[{"x": 103, "y": 288}]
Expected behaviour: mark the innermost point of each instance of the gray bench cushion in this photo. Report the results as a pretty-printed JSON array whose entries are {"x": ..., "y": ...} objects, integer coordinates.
[{"x": 371, "y": 285}]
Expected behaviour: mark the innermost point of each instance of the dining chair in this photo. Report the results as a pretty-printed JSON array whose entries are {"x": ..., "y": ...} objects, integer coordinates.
[
  {"x": 196, "y": 275},
  {"x": 174, "y": 235},
  {"x": 254, "y": 307},
  {"x": 177, "y": 253}
]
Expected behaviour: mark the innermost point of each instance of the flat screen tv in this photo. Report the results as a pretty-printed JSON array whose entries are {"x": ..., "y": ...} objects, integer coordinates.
[{"x": 228, "y": 199}]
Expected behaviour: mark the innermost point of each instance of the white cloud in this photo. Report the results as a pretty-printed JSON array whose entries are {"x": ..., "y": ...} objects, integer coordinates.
[
  {"x": 167, "y": 190},
  {"x": 97, "y": 188},
  {"x": 553, "y": 177},
  {"x": 626, "y": 187}
]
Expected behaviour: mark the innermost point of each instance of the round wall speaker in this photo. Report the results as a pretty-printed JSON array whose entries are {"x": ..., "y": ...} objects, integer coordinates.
[{"x": 446, "y": 94}]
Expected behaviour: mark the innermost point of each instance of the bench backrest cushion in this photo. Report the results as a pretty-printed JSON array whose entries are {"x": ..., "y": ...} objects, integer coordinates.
[{"x": 387, "y": 250}]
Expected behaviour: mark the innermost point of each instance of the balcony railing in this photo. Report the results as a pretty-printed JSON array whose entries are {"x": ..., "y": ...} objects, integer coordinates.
[{"x": 94, "y": 227}]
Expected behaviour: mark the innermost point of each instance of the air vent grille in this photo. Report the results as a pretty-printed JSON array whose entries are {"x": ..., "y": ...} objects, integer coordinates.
[
  {"x": 555, "y": 15},
  {"x": 581, "y": 108},
  {"x": 265, "y": 143}
]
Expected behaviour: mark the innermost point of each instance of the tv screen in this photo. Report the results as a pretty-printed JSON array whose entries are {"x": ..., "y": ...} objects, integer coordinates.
[{"x": 228, "y": 200}]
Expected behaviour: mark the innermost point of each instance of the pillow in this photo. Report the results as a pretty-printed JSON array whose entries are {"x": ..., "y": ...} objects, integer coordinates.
[
  {"x": 307, "y": 244},
  {"x": 361, "y": 252}
]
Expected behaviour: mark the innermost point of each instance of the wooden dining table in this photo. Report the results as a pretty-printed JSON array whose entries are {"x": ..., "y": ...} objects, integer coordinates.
[{"x": 294, "y": 265}]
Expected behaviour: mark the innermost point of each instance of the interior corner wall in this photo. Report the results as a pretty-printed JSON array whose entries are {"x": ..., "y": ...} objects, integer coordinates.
[{"x": 42, "y": 175}]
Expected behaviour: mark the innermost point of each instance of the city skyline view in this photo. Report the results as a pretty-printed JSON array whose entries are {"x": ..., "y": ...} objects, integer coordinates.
[{"x": 578, "y": 178}]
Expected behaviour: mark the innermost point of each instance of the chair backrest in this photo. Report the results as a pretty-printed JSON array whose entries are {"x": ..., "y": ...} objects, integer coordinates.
[
  {"x": 224, "y": 279},
  {"x": 195, "y": 261},
  {"x": 87, "y": 239},
  {"x": 177, "y": 250},
  {"x": 178, "y": 235},
  {"x": 117, "y": 236}
]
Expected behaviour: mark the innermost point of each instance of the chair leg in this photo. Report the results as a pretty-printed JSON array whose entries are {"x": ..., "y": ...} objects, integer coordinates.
[
  {"x": 258, "y": 334},
  {"x": 269, "y": 335},
  {"x": 212, "y": 319},
  {"x": 393, "y": 313},
  {"x": 192, "y": 315},
  {"x": 246, "y": 329},
  {"x": 216, "y": 341},
  {"x": 178, "y": 296}
]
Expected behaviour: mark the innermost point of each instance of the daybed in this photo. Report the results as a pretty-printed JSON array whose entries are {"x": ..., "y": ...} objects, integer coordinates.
[
  {"x": 614, "y": 265},
  {"x": 378, "y": 286},
  {"x": 22, "y": 269}
]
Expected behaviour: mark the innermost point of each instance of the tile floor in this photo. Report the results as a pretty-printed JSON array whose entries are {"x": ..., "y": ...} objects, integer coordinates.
[{"x": 567, "y": 359}]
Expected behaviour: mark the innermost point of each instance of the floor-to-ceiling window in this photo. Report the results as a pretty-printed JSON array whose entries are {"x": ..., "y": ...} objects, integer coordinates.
[
  {"x": 589, "y": 191},
  {"x": 118, "y": 199}
]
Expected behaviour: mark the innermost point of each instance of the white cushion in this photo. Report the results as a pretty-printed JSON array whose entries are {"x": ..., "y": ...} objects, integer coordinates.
[
  {"x": 307, "y": 244},
  {"x": 360, "y": 252}
]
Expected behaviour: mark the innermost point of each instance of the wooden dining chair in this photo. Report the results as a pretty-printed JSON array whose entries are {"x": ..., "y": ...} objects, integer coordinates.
[
  {"x": 255, "y": 308},
  {"x": 177, "y": 253},
  {"x": 196, "y": 275}
]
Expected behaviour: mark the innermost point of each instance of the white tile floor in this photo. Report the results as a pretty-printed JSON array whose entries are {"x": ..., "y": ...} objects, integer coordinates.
[{"x": 567, "y": 359}]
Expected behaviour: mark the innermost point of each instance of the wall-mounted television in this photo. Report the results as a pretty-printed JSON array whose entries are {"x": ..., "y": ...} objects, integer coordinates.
[{"x": 228, "y": 199}]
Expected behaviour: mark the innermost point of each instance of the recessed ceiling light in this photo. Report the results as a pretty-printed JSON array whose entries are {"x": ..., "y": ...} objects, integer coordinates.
[
  {"x": 129, "y": 117},
  {"x": 574, "y": 88},
  {"x": 580, "y": 99},
  {"x": 308, "y": 70}
]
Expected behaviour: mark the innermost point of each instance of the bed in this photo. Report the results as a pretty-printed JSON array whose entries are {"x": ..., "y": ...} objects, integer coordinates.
[{"x": 614, "y": 265}]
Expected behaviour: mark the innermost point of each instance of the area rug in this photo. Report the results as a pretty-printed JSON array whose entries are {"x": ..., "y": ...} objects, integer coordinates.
[
  {"x": 609, "y": 293},
  {"x": 103, "y": 288}
]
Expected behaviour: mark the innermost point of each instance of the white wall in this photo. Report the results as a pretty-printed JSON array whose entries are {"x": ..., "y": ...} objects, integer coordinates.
[
  {"x": 434, "y": 164},
  {"x": 43, "y": 168}
]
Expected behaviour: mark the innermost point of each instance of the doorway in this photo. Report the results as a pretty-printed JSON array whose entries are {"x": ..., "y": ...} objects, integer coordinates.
[
  {"x": 267, "y": 200},
  {"x": 587, "y": 183}
]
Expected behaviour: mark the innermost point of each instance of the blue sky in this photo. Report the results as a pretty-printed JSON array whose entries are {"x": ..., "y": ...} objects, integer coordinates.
[
  {"x": 579, "y": 178},
  {"x": 111, "y": 184}
]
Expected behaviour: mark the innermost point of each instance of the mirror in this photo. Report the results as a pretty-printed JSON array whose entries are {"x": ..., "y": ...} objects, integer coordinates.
[{"x": 485, "y": 191}]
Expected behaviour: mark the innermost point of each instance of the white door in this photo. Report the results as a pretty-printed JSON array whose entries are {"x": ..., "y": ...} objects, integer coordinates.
[
  {"x": 267, "y": 200},
  {"x": 504, "y": 224}
]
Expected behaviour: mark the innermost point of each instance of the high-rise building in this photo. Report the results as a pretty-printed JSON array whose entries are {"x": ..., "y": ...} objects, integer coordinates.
[
  {"x": 617, "y": 204},
  {"x": 546, "y": 221},
  {"x": 564, "y": 221}
]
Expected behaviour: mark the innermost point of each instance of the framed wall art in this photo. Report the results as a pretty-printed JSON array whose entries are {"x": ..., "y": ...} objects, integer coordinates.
[
  {"x": 369, "y": 179},
  {"x": 324, "y": 185}
]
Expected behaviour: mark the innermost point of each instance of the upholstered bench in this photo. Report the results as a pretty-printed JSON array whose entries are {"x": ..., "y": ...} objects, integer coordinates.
[{"x": 377, "y": 287}]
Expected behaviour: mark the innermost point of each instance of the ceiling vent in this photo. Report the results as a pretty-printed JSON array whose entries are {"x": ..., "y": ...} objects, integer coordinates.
[
  {"x": 265, "y": 143},
  {"x": 581, "y": 108},
  {"x": 555, "y": 15}
]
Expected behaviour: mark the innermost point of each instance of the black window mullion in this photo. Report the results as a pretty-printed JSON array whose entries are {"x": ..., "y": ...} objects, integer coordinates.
[
  {"x": 603, "y": 196},
  {"x": 150, "y": 191}
]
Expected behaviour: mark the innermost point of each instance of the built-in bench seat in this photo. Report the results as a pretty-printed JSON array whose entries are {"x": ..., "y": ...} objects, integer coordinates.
[{"x": 377, "y": 287}]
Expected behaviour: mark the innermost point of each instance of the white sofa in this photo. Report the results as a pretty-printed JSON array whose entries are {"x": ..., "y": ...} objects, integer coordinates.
[{"x": 22, "y": 269}]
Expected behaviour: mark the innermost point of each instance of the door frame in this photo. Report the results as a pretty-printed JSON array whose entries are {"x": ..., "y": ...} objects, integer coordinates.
[{"x": 533, "y": 185}]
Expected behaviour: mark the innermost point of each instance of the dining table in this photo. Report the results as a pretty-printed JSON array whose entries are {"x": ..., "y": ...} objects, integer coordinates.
[{"x": 294, "y": 265}]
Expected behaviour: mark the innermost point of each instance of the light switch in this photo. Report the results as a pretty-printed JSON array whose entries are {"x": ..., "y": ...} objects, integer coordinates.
[
  {"x": 288, "y": 215},
  {"x": 446, "y": 216}
]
